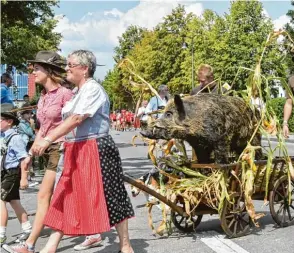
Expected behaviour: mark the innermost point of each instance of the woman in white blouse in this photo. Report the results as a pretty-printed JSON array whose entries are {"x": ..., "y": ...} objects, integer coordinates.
[{"x": 90, "y": 197}]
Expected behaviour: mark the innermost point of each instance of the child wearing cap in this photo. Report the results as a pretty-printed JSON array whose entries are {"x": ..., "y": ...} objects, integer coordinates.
[
  {"x": 25, "y": 128},
  {"x": 14, "y": 166}
]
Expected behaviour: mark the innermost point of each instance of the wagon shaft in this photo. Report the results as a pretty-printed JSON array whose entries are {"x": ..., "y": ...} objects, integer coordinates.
[{"x": 155, "y": 194}]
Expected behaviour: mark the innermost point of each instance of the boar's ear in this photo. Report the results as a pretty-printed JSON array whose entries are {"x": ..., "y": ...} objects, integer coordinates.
[{"x": 180, "y": 107}]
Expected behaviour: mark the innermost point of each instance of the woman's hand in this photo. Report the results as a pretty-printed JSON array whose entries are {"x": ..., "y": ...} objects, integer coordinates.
[{"x": 40, "y": 146}]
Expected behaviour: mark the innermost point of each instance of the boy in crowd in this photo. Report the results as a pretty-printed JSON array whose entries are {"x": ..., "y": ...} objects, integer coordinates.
[
  {"x": 14, "y": 167},
  {"x": 25, "y": 128},
  {"x": 26, "y": 100}
]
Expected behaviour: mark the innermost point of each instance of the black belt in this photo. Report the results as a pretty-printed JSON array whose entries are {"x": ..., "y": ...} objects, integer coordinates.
[{"x": 10, "y": 170}]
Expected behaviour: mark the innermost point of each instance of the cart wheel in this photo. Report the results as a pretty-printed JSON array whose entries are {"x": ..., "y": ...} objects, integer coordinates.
[
  {"x": 235, "y": 220},
  {"x": 185, "y": 224},
  {"x": 281, "y": 210}
]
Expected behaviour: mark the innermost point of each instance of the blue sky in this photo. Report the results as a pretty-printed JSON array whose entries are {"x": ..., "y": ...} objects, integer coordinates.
[
  {"x": 95, "y": 25},
  {"x": 76, "y": 9}
]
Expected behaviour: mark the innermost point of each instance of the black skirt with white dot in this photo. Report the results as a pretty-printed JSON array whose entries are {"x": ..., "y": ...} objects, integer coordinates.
[{"x": 117, "y": 199}]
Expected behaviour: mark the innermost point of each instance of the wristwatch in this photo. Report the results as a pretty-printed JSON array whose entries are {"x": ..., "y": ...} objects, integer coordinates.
[
  {"x": 47, "y": 139},
  {"x": 285, "y": 123}
]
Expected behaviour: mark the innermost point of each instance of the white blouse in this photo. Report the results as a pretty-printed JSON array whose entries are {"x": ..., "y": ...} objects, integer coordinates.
[{"x": 90, "y": 99}]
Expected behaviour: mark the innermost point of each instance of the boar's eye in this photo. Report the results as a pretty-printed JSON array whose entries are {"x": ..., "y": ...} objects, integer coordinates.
[{"x": 168, "y": 114}]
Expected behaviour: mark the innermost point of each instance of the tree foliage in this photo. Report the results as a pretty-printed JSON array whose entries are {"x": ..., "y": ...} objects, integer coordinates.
[
  {"x": 232, "y": 44},
  {"x": 278, "y": 106},
  {"x": 127, "y": 41},
  {"x": 290, "y": 29},
  {"x": 27, "y": 27}
]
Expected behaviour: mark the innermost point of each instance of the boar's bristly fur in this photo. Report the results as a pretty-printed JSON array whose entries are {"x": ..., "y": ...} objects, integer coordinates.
[{"x": 209, "y": 123}]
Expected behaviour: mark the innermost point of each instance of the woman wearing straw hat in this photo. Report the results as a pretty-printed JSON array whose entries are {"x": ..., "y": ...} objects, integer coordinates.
[
  {"x": 90, "y": 197},
  {"x": 48, "y": 72}
]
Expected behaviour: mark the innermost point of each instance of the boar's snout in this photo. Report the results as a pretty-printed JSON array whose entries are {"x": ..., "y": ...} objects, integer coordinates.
[
  {"x": 146, "y": 133},
  {"x": 152, "y": 133}
]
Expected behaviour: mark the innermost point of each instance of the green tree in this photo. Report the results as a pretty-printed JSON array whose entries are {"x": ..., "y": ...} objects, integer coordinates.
[
  {"x": 247, "y": 31},
  {"x": 290, "y": 29},
  {"x": 278, "y": 106},
  {"x": 171, "y": 34},
  {"x": 227, "y": 43},
  {"x": 119, "y": 96},
  {"x": 127, "y": 41},
  {"x": 159, "y": 55},
  {"x": 26, "y": 28},
  {"x": 120, "y": 93},
  {"x": 206, "y": 36}
]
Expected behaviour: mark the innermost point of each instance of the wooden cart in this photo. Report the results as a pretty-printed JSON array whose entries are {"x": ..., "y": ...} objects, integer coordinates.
[{"x": 235, "y": 220}]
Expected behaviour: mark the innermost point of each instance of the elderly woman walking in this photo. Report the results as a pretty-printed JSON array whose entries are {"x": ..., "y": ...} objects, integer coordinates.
[
  {"x": 48, "y": 72},
  {"x": 90, "y": 197}
]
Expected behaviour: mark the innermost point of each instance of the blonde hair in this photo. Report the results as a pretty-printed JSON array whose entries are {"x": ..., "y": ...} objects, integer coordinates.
[{"x": 205, "y": 69}]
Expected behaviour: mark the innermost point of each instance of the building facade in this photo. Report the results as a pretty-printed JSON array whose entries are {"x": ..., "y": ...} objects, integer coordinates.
[{"x": 23, "y": 84}]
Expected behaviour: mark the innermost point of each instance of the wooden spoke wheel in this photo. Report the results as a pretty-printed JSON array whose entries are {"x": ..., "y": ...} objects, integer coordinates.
[
  {"x": 185, "y": 224},
  {"x": 281, "y": 209},
  {"x": 235, "y": 220}
]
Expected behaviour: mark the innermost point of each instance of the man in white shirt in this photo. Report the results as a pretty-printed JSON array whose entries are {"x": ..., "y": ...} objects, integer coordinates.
[
  {"x": 157, "y": 103},
  {"x": 141, "y": 115}
]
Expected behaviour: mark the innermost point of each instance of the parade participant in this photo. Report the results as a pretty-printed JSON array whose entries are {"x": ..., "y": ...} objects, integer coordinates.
[
  {"x": 26, "y": 100},
  {"x": 112, "y": 118},
  {"x": 157, "y": 103},
  {"x": 141, "y": 115},
  {"x": 48, "y": 71},
  {"x": 123, "y": 120},
  {"x": 288, "y": 108},
  {"x": 24, "y": 127},
  {"x": 206, "y": 80},
  {"x": 14, "y": 172},
  {"x": 118, "y": 120},
  {"x": 6, "y": 82},
  {"x": 90, "y": 241},
  {"x": 92, "y": 165},
  {"x": 129, "y": 120}
]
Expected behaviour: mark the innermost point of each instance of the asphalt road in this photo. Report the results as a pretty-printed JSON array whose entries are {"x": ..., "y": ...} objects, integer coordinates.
[{"x": 208, "y": 238}]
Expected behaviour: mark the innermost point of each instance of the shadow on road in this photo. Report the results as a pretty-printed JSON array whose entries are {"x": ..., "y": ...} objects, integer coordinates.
[
  {"x": 108, "y": 243},
  {"x": 124, "y": 145}
]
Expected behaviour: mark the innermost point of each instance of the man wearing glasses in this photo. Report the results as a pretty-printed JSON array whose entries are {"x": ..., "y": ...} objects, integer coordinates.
[{"x": 157, "y": 103}]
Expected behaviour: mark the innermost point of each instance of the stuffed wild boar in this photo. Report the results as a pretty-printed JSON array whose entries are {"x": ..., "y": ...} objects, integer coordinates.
[{"x": 209, "y": 123}]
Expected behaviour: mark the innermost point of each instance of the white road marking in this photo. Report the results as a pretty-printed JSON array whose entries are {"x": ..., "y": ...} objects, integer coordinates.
[{"x": 219, "y": 244}]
